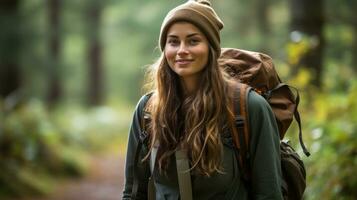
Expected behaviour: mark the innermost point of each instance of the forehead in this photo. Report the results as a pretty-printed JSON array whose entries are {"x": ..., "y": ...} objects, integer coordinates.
[{"x": 183, "y": 28}]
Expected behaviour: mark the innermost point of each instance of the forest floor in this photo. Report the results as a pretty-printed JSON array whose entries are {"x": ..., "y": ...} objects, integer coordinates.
[{"x": 103, "y": 182}]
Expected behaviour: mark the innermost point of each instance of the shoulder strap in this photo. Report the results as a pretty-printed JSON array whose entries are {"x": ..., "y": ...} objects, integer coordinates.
[
  {"x": 183, "y": 175},
  {"x": 240, "y": 128},
  {"x": 243, "y": 91},
  {"x": 143, "y": 136},
  {"x": 151, "y": 184},
  {"x": 135, "y": 187},
  {"x": 268, "y": 94},
  {"x": 298, "y": 120}
]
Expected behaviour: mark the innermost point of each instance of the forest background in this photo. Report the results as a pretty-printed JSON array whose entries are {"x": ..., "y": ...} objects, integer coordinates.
[{"x": 71, "y": 73}]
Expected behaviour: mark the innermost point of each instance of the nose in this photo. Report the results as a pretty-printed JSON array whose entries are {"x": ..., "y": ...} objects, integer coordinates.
[{"x": 182, "y": 49}]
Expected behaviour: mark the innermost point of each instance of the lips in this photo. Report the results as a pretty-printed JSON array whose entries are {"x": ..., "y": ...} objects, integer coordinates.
[{"x": 183, "y": 61}]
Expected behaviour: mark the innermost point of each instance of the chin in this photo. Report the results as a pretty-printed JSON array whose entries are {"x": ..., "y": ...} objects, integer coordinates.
[{"x": 183, "y": 73}]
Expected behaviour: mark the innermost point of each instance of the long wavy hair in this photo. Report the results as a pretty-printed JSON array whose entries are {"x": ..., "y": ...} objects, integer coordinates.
[{"x": 194, "y": 122}]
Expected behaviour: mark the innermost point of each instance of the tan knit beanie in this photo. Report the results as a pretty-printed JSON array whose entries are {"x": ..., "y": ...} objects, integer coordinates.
[{"x": 199, "y": 13}]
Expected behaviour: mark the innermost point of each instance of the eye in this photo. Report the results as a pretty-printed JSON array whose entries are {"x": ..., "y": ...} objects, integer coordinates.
[
  {"x": 194, "y": 41},
  {"x": 173, "y": 42}
]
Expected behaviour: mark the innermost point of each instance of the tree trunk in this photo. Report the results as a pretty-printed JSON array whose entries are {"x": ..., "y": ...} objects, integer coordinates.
[
  {"x": 95, "y": 84},
  {"x": 307, "y": 18},
  {"x": 10, "y": 41},
  {"x": 262, "y": 7},
  {"x": 55, "y": 87},
  {"x": 354, "y": 29}
]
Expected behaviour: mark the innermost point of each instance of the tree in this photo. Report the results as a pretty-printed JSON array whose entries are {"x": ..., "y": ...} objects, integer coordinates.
[
  {"x": 307, "y": 19},
  {"x": 55, "y": 87},
  {"x": 95, "y": 83},
  {"x": 341, "y": 35},
  {"x": 262, "y": 16},
  {"x": 10, "y": 41}
]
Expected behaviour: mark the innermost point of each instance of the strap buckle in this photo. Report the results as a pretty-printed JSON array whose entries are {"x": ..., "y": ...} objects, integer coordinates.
[{"x": 239, "y": 121}]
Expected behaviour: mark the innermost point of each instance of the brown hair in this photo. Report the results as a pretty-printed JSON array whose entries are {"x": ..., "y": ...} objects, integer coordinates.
[{"x": 194, "y": 122}]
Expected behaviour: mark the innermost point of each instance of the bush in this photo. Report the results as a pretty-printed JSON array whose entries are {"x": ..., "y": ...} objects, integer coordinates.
[
  {"x": 33, "y": 151},
  {"x": 332, "y": 166}
]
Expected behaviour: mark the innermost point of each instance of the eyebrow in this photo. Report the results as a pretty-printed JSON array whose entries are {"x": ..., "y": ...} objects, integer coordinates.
[{"x": 190, "y": 35}]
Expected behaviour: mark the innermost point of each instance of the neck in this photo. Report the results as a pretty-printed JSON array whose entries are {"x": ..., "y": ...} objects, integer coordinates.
[{"x": 189, "y": 84}]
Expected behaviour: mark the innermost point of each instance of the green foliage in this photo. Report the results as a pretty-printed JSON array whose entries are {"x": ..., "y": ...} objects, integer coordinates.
[
  {"x": 333, "y": 163},
  {"x": 39, "y": 145},
  {"x": 329, "y": 118},
  {"x": 91, "y": 129},
  {"x": 31, "y": 146},
  {"x": 298, "y": 48}
]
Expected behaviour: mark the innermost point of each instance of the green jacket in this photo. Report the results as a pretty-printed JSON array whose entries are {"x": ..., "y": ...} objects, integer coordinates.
[{"x": 265, "y": 163}]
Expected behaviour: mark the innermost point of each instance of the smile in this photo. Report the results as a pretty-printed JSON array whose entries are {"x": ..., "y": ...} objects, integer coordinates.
[{"x": 183, "y": 61}]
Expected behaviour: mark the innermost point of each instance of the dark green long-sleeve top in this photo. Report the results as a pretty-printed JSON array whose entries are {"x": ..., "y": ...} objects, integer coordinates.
[{"x": 265, "y": 163}]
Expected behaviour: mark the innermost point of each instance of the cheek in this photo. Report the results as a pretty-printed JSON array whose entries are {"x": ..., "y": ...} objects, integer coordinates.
[
  {"x": 169, "y": 54},
  {"x": 204, "y": 54}
]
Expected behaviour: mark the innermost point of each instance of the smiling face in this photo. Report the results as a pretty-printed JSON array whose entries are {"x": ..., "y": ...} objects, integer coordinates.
[{"x": 186, "y": 50}]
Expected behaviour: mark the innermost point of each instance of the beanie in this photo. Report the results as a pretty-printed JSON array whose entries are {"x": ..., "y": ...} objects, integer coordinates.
[{"x": 200, "y": 14}]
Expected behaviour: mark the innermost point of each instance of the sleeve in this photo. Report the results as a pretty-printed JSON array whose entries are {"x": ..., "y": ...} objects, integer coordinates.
[
  {"x": 143, "y": 172},
  {"x": 264, "y": 150}
]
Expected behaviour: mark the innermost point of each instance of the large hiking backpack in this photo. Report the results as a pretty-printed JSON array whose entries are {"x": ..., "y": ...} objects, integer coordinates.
[{"x": 256, "y": 71}]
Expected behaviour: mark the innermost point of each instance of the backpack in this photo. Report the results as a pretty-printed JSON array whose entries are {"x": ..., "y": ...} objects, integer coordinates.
[{"x": 255, "y": 71}]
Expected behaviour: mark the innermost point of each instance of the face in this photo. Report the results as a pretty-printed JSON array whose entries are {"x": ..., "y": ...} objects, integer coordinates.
[{"x": 186, "y": 50}]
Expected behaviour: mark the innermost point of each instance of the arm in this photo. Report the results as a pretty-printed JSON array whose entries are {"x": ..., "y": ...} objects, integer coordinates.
[
  {"x": 264, "y": 150},
  {"x": 143, "y": 173}
]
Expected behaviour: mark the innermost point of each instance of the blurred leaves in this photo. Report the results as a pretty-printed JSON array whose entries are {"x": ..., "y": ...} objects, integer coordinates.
[
  {"x": 37, "y": 146},
  {"x": 31, "y": 145},
  {"x": 299, "y": 46},
  {"x": 329, "y": 117},
  {"x": 333, "y": 163}
]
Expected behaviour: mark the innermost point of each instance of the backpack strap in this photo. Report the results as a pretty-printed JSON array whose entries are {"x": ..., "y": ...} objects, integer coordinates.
[
  {"x": 298, "y": 120},
  {"x": 151, "y": 184},
  {"x": 243, "y": 91},
  {"x": 135, "y": 187},
  {"x": 183, "y": 175},
  {"x": 182, "y": 165},
  {"x": 240, "y": 127},
  {"x": 296, "y": 112},
  {"x": 143, "y": 139}
]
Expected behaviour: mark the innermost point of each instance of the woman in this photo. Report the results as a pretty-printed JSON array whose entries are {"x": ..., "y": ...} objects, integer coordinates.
[{"x": 190, "y": 109}]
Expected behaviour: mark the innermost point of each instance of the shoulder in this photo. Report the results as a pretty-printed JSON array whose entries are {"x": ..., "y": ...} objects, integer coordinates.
[
  {"x": 255, "y": 99},
  {"x": 257, "y": 105},
  {"x": 140, "y": 106},
  {"x": 143, "y": 101}
]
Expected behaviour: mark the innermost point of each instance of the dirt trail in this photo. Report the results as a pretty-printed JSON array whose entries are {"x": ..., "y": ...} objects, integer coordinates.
[{"x": 104, "y": 182}]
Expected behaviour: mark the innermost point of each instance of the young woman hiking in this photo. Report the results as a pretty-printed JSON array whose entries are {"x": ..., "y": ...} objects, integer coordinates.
[{"x": 190, "y": 107}]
